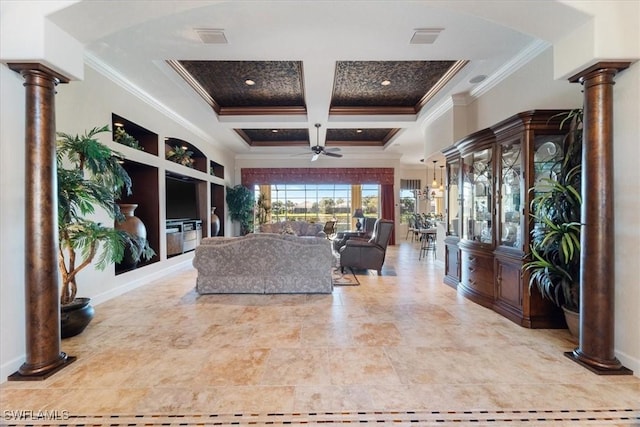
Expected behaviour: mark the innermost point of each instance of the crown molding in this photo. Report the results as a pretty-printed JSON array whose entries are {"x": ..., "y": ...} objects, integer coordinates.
[
  {"x": 534, "y": 49},
  {"x": 126, "y": 84},
  {"x": 523, "y": 57}
]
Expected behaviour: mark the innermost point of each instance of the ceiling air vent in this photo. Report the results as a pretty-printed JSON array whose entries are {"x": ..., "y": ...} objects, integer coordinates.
[
  {"x": 425, "y": 35},
  {"x": 211, "y": 35}
]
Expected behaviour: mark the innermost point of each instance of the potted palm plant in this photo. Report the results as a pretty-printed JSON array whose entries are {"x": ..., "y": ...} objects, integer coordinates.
[
  {"x": 90, "y": 175},
  {"x": 554, "y": 265},
  {"x": 240, "y": 201}
]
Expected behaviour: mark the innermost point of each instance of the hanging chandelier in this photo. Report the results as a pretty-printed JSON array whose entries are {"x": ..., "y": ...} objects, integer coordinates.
[{"x": 434, "y": 184}]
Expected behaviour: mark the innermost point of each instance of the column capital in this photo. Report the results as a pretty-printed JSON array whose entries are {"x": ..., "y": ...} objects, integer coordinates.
[
  {"x": 617, "y": 65},
  {"x": 22, "y": 67}
]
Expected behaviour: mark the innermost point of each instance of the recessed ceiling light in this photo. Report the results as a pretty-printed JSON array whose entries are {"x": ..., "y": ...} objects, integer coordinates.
[
  {"x": 249, "y": 82},
  {"x": 385, "y": 82},
  {"x": 477, "y": 79}
]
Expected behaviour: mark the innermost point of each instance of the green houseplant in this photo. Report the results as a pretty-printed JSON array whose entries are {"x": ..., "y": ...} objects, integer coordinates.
[
  {"x": 90, "y": 175},
  {"x": 554, "y": 265},
  {"x": 240, "y": 201},
  {"x": 122, "y": 137},
  {"x": 181, "y": 155}
]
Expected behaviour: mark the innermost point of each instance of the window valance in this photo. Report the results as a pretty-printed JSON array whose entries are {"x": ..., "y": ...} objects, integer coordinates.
[{"x": 257, "y": 176}]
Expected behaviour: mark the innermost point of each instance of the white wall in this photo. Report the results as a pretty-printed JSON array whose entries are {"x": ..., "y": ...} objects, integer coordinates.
[
  {"x": 626, "y": 182},
  {"x": 12, "y": 224},
  {"x": 531, "y": 87}
]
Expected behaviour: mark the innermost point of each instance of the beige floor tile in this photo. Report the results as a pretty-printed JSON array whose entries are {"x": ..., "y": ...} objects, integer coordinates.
[{"x": 398, "y": 342}]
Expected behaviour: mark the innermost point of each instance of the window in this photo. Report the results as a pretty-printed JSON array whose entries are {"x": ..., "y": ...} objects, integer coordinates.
[
  {"x": 371, "y": 199},
  {"x": 319, "y": 202},
  {"x": 407, "y": 205},
  {"x": 409, "y": 189}
]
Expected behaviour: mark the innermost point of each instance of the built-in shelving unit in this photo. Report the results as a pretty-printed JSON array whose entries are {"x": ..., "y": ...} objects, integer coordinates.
[{"x": 189, "y": 191}]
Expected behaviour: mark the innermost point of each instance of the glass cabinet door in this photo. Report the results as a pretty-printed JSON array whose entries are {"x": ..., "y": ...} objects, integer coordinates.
[
  {"x": 477, "y": 200},
  {"x": 547, "y": 160},
  {"x": 511, "y": 184},
  {"x": 453, "y": 198}
]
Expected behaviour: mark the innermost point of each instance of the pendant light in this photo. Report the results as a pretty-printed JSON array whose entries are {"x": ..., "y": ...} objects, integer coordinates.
[
  {"x": 434, "y": 184},
  {"x": 441, "y": 181}
]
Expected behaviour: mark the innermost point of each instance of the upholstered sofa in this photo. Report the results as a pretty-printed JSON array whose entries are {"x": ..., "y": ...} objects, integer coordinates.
[
  {"x": 298, "y": 228},
  {"x": 264, "y": 263}
]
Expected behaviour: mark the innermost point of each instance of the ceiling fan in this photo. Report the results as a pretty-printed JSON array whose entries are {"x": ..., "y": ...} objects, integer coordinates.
[{"x": 318, "y": 149}]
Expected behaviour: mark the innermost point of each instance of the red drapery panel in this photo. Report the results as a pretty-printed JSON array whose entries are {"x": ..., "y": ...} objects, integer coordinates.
[
  {"x": 257, "y": 176},
  {"x": 387, "y": 206}
]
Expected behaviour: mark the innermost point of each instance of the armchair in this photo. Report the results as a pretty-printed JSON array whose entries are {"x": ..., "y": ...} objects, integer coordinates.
[
  {"x": 370, "y": 253},
  {"x": 367, "y": 231}
]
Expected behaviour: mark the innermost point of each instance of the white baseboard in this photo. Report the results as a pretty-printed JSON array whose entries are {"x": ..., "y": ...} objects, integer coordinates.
[
  {"x": 148, "y": 278},
  {"x": 10, "y": 367},
  {"x": 629, "y": 362}
]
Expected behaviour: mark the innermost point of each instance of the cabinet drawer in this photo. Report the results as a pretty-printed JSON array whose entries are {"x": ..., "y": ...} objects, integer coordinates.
[{"x": 477, "y": 274}]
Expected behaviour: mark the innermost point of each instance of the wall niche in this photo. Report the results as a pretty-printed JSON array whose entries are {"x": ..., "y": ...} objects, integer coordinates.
[
  {"x": 133, "y": 135},
  {"x": 185, "y": 154},
  {"x": 144, "y": 179}
]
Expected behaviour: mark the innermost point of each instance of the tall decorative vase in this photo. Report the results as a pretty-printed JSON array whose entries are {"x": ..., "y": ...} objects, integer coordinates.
[
  {"x": 133, "y": 225},
  {"x": 215, "y": 223}
]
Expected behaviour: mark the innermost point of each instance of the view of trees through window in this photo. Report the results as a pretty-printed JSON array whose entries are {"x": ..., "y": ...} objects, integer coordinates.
[
  {"x": 407, "y": 205},
  {"x": 317, "y": 203}
]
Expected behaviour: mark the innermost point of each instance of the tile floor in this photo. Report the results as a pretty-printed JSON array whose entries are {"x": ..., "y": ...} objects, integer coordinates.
[{"x": 400, "y": 349}]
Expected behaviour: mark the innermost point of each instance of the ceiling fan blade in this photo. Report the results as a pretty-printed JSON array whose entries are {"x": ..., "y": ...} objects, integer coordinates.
[
  {"x": 330, "y": 154},
  {"x": 315, "y": 157},
  {"x": 332, "y": 149}
]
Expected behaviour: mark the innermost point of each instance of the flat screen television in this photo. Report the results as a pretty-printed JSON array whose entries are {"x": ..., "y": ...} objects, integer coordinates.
[{"x": 182, "y": 198}]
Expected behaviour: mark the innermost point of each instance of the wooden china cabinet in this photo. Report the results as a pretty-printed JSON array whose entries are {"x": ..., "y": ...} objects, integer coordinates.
[
  {"x": 499, "y": 169},
  {"x": 453, "y": 208}
]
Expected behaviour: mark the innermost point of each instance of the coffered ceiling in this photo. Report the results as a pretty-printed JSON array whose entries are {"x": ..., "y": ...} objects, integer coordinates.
[
  {"x": 273, "y": 88},
  {"x": 255, "y": 77}
]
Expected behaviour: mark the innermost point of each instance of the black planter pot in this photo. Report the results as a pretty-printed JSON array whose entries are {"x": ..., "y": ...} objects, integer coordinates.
[{"x": 75, "y": 316}]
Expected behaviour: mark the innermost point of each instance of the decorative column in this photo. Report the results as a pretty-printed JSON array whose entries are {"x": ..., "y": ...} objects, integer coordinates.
[
  {"x": 597, "y": 273},
  {"x": 43, "y": 355}
]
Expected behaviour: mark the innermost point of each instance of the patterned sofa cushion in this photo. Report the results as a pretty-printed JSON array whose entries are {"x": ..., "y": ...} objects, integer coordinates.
[{"x": 300, "y": 228}]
